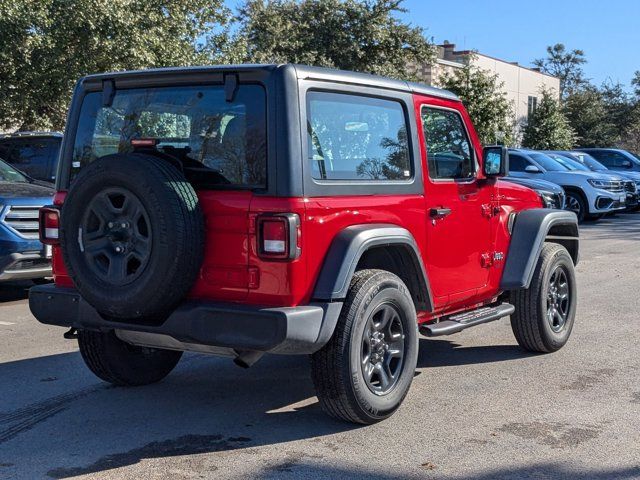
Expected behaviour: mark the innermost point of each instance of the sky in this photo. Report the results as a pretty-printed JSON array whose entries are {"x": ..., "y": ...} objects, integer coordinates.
[{"x": 520, "y": 30}]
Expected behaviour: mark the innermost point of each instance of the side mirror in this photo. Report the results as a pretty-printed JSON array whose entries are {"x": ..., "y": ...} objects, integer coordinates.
[
  {"x": 532, "y": 169},
  {"x": 626, "y": 163},
  {"x": 495, "y": 161}
]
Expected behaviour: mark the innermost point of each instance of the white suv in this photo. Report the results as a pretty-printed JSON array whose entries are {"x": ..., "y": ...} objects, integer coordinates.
[{"x": 589, "y": 194}]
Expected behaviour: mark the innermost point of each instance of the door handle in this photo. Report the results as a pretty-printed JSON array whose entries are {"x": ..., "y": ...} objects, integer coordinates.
[{"x": 439, "y": 212}]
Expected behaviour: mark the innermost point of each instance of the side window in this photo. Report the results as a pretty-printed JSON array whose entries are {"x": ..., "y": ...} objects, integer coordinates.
[
  {"x": 517, "y": 163},
  {"x": 619, "y": 159},
  {"x": 32, "y": 157},
  {"x": 352, "y": 137},
  {"x": 608, "y": 159},
  {"x": 5, "y": 152},
  {"x": 448, "y": 146}
]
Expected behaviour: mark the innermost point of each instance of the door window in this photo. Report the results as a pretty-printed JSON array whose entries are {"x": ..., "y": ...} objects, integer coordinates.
[
  {"x": 449, "y": 151},
  {"x": 517, "y": 163},
  {"x": 610, "y": 159}
]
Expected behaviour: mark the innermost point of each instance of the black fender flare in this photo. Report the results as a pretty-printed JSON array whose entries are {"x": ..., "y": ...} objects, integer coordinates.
[
  {"x": 347, "y": 248},
  {"x": 530, "y": 230}
]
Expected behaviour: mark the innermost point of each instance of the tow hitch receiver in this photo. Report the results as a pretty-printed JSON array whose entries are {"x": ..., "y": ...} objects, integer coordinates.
[{"x": 71, "y": 334}]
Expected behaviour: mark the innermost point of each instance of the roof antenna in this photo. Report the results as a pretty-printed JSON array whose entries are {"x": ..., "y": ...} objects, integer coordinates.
[{"x": 230, "y": 86}]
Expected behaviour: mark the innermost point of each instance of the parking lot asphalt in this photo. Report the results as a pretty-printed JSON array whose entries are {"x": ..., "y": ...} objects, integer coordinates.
[{"x": 479, "y": 407}]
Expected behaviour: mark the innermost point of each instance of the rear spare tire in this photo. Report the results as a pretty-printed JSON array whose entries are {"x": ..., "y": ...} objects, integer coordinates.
[{"x": 132, "y": 235}]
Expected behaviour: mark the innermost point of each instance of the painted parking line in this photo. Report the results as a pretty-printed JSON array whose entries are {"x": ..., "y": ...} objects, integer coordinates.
[{"x": 7, "y": 323}]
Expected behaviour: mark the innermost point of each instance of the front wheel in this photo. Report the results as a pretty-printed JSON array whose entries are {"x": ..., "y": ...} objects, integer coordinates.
[
  {"x": 575, "y": 203},
  {"x": 364, "y": 372},
  {"x": 545, "y": 312}
]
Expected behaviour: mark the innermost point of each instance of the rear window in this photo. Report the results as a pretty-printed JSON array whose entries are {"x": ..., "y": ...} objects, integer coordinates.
[
  {"x": 191, "y": 123},
  {"x": 352, "y": 137}
]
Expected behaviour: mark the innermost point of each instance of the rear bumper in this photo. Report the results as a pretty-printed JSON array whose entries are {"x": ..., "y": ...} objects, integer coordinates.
[{"x": 285, "y": 330}]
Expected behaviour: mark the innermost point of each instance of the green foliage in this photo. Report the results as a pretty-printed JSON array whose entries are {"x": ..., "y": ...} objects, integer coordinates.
[
  {"x": 618, "y": 106},
  {"x": 565, "y": 65},
  {"x": 586, "y": 111},
  {"x": 635, "y": 82},
  {"x": 548, "y": 128},
  {"x": 46, "y": 45},
  {"x": 347, "y": 34},
  {"x": 631, "y": 139},
  {"x": 486, "y": 101}
]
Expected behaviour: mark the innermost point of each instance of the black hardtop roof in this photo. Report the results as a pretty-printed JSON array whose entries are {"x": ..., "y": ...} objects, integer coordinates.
[{"x": 302, "y": 72}]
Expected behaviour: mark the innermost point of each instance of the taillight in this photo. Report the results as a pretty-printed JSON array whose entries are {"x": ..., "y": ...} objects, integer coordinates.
[
  {"x": 50, "y": 225},
  {"x": 278, "y": 236}
]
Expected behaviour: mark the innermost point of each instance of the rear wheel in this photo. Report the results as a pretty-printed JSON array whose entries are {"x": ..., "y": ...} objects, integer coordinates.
[
  {"x": 545, "y": 312},
  {"x": 121, "y": 363},
  {"x": 363, "y": 374}
]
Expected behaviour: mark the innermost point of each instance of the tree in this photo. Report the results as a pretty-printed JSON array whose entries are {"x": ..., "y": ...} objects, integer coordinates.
[
  {"x": 46, "y": 45},
  {"x": 636, "y": 83},
  {"x": 631, "y": 138},
  {"x": 346, "y": 34},
  {"x": 565, "y": 65},
  {"x": 548, "y": 128},
  {"x": 486, "y": 101},
  {"x": 618, "y": 107},
  {"x": 587, "y": 114}
]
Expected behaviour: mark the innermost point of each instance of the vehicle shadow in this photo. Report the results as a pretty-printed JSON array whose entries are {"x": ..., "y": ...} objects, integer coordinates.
[
  {"x": 623, "y": 226},
  {"x": 447, "y": 353},
  {"x": 14, "y": 291},
  {"x": 61, "y": 422},
  {"x": 539, "y": 470},
  {"x": 65, "y": 423}
]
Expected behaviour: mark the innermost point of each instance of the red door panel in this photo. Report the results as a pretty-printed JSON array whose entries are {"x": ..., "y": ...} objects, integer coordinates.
[{"x": 457, "y": 240}]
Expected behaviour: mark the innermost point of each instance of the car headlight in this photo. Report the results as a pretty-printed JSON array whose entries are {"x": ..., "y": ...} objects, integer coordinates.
[
  {"x": 603, "y": 184},
  {"x": 549, "y": 199}
]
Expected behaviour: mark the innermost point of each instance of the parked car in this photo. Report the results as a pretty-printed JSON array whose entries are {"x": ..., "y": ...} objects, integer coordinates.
[
  {"x": 552, "y": 195},
  {"x": 34, "y": 153},
  {"x": 285, "y": 209},
  {"x": 614, "y": 158},
  {"x": 588, "y": 194},
  {"x": 22, "y": 256},
  {"x": 631, "y": 179}
]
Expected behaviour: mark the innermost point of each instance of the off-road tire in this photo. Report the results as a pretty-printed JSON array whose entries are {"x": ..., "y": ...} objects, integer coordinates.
[
  {"x": 529, "y": 322},
  {"x": 123, "y": 364},
  {"x": 336, "y": 369},
  {"x": 175, "y": 235}
]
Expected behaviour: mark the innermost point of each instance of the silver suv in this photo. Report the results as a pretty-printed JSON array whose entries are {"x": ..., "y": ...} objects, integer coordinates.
[{"x": 589, "y": 194}]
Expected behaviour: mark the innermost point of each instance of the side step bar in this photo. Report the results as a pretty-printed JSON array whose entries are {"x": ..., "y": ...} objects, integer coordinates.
[{"x": 461, "y": 321}]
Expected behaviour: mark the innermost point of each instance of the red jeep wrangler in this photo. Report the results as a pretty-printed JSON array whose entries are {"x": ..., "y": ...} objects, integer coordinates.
[{"x": 243, "y": 210}]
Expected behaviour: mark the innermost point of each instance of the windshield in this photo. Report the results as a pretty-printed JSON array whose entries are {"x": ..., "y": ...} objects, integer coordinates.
[
  {"x": 10, "y": 174},
  {"x": 190, "y": 123},
  {"x": 569, "y": 163},
  {"x": 548, "y": 163}
]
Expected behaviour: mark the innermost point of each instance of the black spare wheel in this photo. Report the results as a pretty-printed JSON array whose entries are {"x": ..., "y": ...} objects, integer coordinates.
[{"x": 132, "y": 235}]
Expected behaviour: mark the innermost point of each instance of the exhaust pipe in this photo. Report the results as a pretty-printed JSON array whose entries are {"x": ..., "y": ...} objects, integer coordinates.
[{"x": 246, "y": 358}]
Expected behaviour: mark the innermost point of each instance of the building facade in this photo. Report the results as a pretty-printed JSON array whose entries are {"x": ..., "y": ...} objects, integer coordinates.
[{"x": 522, "y": 85}]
